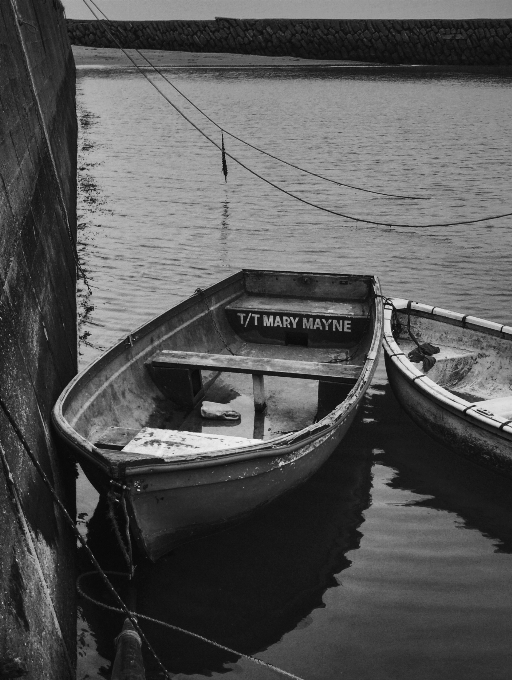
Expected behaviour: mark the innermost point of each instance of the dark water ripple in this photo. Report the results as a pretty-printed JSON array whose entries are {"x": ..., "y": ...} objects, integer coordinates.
[{"x": 394, "y": 561}]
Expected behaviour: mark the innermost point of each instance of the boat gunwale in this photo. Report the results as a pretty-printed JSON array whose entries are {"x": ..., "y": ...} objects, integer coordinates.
[
  {"x": 278, "y": 446},
  {"x": 470, "y": 411}
]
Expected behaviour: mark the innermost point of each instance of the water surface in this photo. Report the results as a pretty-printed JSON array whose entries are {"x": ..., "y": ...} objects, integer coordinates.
[{"x": 394, "y": 561}]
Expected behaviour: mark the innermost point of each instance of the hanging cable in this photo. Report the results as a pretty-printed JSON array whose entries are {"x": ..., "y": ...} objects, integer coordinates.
[
  {"x": 69, "y": 520},
  {"x": 239, "y": 139},
  {"x": 121, "y": 608},
  {"x": 379, "y": 223},
  {"x": 178, "y": 629}
]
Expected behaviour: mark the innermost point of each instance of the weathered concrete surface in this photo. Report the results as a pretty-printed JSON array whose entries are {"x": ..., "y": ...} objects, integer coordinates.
[
  {"x": 38, "y": 347},
  {"x": 420, "y": 41}
]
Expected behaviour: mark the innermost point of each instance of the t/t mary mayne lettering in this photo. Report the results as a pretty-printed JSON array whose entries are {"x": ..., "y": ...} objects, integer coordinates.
[{"x": 250, "y": 319}]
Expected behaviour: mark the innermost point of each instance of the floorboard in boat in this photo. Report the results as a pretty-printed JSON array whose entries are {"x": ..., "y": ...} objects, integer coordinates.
[{"x": 292, "y": 403}]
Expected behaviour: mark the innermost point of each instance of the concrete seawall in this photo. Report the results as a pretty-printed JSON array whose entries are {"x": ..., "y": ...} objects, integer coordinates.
[
  {"x": 38, "y": 344},
  {"x": 426, "y": 41}
]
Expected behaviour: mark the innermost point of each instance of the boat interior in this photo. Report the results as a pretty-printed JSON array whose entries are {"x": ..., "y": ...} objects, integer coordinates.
[
  {"x": 474, "y": 365},
  {"x": 280, "y": 351}
]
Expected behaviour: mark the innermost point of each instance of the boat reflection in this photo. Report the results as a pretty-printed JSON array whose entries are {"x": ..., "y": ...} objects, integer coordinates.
[
  {"x": 447, "y": 481},
  {"x": 248, "y": 586}
]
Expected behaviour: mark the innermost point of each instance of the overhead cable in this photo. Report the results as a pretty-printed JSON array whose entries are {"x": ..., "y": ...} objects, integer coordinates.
[
  {"x": 239, "y": 139},
  {"x": 336, "y": 213}
]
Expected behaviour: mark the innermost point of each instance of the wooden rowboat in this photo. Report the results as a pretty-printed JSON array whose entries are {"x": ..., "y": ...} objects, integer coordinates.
[
  {"x": 465, "y": 399},
  {"x": 305, "y": 345}
]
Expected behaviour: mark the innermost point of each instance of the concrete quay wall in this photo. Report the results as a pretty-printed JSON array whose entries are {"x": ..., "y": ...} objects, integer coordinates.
[
  {"x": 38, "y": 341},
  {"x": 422, "y": 41}
]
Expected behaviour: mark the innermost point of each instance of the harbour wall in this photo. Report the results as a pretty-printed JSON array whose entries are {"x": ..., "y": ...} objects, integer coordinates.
[
  {"x": 38, "y": 340},
  {"x": 421, "y": 41}
]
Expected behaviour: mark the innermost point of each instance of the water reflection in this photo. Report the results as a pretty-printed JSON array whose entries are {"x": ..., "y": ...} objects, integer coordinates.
[
  {"x": 445, "y": 481},
  {"x": 484, "y": 75},
  {"x": 248, "y": 586},
  {"x": 368, "y": 508},
  {"x": 224, "y": 232},
  {"x": 411, "y": 585}
]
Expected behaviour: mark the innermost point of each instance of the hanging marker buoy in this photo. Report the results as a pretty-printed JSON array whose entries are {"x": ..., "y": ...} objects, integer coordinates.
[{"x": 224, "y": 164}]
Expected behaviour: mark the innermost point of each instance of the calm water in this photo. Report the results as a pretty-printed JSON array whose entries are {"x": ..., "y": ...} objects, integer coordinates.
[{"x": 394, "y": 561}]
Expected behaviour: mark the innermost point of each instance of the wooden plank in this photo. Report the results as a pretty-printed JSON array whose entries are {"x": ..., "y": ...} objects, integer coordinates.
[
  {"x": 115, "y": 438},
  {"x": 283, "y": 368},
  {"x": 308, "y": 285},
  {"x": 258, "y": 386},
  {"x": 162, "y": 443},
  {"x": 282, "y": 305}
]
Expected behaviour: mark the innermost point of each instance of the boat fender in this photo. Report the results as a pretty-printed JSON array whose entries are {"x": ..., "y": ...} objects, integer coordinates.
[
  {"x": 213, "y": 411},
  {"x": 128, "y": 664}
]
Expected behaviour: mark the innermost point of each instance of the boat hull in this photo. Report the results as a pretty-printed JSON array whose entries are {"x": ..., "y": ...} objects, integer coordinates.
[
  {"x": 175, "y": 495},
  {"x": 463, "y": 426},
  {"x": 172, "y": 507}
]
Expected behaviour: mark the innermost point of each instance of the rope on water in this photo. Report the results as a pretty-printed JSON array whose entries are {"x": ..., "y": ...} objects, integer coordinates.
[
  {"x": 233, "y": 136},
  {"x": 178, "y": 629}
]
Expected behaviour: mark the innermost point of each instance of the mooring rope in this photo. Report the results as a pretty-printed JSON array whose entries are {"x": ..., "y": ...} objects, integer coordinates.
[
  {"x": 126, "y": 551},
  {"x": 178, "y": 629},
  {"x": 122, "y": 609},
  {"x": 78, "y": 535},
  {"x": 230, "y": 134}
]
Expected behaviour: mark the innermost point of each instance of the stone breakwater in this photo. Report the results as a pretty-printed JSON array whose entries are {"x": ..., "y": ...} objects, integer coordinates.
[{"x": 422, "y": 41}]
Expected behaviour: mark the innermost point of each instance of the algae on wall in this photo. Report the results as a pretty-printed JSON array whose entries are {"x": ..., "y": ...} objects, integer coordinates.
[{"x": 38, "y": 346}]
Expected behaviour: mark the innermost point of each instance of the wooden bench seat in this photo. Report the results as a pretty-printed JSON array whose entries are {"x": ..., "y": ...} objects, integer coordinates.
[
  {"x": 256, "y": 366},
  {"x": 343, "y": 373}
]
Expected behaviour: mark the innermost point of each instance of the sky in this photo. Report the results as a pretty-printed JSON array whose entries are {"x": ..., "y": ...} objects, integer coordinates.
[{"x": 317, "y": 9}]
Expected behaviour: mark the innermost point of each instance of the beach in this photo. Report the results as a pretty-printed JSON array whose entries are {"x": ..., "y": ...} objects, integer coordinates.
[{"x": 106, "y": 56}]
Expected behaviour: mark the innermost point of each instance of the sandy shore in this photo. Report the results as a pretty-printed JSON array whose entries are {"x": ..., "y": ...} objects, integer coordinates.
[{"x": 104, "y": 56}]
